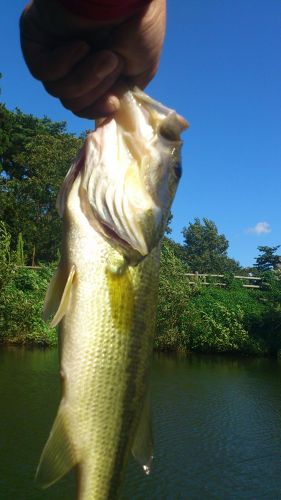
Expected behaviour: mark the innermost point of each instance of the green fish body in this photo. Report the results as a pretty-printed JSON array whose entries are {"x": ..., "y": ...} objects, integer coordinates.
[{"x": 114, "y": 202}]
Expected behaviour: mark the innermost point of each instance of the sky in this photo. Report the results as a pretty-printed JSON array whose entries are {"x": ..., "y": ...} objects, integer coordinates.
[{"x": 220, "y": 69}]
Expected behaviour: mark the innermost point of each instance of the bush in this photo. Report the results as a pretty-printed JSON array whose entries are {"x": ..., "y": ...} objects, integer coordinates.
[
  {"x": 174, "y": 293},
  {"x": 7, "y": 263},
  {"x": 213, "y": 319},
  {"x": 222, "y": 321},
  {"x": 22, "y": 294},
  {"x": 190, "y": 317},
  {"x": 21, "y": 321}
]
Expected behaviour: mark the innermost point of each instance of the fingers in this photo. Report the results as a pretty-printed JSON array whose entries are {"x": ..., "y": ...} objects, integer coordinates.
[
  {"x": 46, "y": 58},
  {"x": 58, "y": 52},
  {"x": 103, "y": 107},
  {"x": 109, "y": 103},
  {"x": 143, "y": 79},
  {"x": 51, "y": 64},
  {"x": 145, "y": 34},
  {"x": 69, "y": 70},
  {"x": 85, "y": 76},
  {"x": 97, "y": 101}
]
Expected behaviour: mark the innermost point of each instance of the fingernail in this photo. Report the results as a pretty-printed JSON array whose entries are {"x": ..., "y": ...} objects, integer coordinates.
[{"x": 106, "y": 65}]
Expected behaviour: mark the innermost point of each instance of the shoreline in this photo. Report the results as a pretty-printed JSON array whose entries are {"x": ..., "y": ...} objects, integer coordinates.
[{"x": 17, "y": 344}]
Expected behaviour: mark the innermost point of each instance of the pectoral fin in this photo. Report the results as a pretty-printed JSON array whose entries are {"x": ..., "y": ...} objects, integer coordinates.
[
  {"x": 58, "y": 295},
  {"x": 142, "y": 448},
  {"x": 57, "y": 457}
]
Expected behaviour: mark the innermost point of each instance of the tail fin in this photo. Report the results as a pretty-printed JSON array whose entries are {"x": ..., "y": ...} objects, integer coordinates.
[{"x": 58, "y": 456}]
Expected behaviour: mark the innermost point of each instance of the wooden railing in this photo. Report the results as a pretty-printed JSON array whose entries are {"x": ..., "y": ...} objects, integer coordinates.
[
  {"x": 202, "y": 278},
  {"x": 247, "y": 281}
]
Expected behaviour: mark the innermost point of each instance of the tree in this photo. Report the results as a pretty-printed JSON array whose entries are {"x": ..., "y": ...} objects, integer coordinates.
[
  {"x": 206, "y": 250},
  {"x": 168, "y": 229},
  {"x": 267, "y": 260},
  {"x": 35, "y": 155},
  {"x": 20, "y": 251}
]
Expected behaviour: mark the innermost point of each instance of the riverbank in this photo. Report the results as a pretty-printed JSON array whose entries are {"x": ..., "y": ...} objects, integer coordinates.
[{"x": 190, "y": 318}]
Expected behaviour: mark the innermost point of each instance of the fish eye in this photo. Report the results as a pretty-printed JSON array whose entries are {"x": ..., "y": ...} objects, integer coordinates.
[{"x": 178, "y": 169}]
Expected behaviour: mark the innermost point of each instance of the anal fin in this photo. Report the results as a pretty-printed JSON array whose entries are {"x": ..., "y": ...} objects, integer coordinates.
[
  {"x": 142, "y": 448},
  {"x": 57, "y": 457}
]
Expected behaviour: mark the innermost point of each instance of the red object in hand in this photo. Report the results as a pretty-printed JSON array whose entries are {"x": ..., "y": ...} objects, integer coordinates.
[{"x": 106, "y": 10}]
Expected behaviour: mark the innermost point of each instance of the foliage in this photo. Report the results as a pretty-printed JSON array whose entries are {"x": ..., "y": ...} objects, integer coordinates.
[
  {"x": 174, "y": 293},
  {"x": 21, "y": 299},
  {"x": 168, "y": 224},
  {"x": 19, "y": 251},
  {"x": 7, "y": 264},
  {"x": 267, "y": 260},
  {"x": 205, "y": 250},
  {"x": 212, "y": 319},
  {"x": 35, "y": 154},
  {"x": 224, "y": 320},
  {"x": 22, "y": 303},
  {"x": 191, "y": 317}
]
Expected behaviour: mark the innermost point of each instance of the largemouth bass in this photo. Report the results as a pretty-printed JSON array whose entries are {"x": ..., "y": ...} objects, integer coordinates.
[{"x": 114, "y": 201}]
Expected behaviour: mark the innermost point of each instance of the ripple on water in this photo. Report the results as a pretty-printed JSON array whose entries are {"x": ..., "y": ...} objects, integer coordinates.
[{"x": 217, "y": 427}]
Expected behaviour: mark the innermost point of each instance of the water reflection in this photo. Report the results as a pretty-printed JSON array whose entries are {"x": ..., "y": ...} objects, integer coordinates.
[{"x": 217, "y": 426}]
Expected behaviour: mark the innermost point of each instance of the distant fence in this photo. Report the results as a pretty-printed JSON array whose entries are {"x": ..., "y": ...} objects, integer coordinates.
[
  {"x": 202, "y": 278},
  {"x": 247, "y": 281}
]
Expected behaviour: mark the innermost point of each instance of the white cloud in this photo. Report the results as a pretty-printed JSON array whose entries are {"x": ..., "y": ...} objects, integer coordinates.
[{"x": 260, "y": 228}]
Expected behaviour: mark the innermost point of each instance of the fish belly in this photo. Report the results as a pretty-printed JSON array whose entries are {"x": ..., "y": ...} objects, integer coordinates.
[{"x": 107, "y": 339}]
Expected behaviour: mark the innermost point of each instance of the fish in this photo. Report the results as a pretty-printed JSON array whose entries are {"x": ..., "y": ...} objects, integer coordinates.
[{"x": 114, "y": 202}]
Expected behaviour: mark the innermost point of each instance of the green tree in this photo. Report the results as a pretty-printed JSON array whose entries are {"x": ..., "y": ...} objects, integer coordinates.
[
  {"x": 7, "y": 264},
  {"x": 168, "y": 226},
  {"x": 205, "y": 249},
  {"x": 20, "y": 251},
  {"x": 35, "y": 155},
  {"x": 268, "y": 259}
]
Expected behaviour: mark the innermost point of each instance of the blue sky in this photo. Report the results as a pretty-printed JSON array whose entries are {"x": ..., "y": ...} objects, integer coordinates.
[{"x": 220, "y": 68}]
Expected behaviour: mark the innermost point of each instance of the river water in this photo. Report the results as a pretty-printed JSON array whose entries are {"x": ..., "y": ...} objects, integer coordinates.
[{"x": 217, "y": 427}]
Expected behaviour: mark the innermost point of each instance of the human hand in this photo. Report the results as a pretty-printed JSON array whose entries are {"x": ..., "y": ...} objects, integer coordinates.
[{"x": 82, "y": 62}]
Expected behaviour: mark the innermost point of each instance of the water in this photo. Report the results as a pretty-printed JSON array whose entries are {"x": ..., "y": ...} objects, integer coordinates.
[{"x": 217, "y": 428}]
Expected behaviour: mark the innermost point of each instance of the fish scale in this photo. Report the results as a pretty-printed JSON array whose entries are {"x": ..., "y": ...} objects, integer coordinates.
[{"x": 104, "y": 298}]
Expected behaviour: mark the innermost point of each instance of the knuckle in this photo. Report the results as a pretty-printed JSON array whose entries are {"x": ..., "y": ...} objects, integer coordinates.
[
  {"x": 52, "y": 89},
  {"x": 89, "y": 113}
]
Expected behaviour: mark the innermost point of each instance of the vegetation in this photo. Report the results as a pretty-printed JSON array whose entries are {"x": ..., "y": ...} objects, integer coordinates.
[
  {"x": 193, "y": 317},
  {"x": 267, "y": 260},
  {"x": 205, "y": 250},
  {"x": 34, "y": 157},
  {"x": 21, "y": 299}
]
